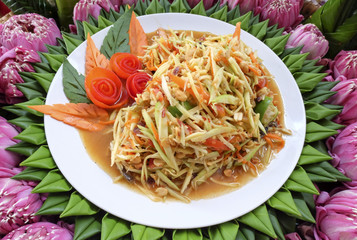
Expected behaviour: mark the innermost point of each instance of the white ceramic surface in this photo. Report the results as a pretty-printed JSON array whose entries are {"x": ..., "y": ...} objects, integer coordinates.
[{"x": 95, "y": 185}]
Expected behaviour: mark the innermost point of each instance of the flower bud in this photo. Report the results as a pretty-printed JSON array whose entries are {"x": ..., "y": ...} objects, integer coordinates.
[
  {"x": 84, "y": 8},
  {"x": 336, "y": 217},
  {"x": 285, "y": 13},
  {"x": 345, "y": 63},
  {"x": 346, "y": 96},
  {"x": 312, "y": 40},
  {"x": 31, "y": 31},
  {"x": 7, "y": 132},
  {"x": 343, "y": 150},
  {"x": 12, "y": 62},
  {"x": 40, "y": 230},
  {"x": 17, "y": 204}
]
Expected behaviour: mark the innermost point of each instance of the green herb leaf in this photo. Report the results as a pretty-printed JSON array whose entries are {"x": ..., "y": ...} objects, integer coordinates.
[
  {"x": 53, "y": 182},
  {"x": 86, "y": 227},
  {"x": 299, "y": 181},
  {"x": 31, "y": 174},
  {"x": 117, "y": 39},
  {"x": 42, "y": 158},
  {"x": 141, "y": 232},
  {"x": 73, "y": 84},
  {"x": 54, "y": 205},
  {"x": 114, "y": 228},
  {"x": 224, "y": 231},
  {"x": 79, "y": 206},
  {"x": 259, "y": 220},
  {"x": 187, "y": 234}
]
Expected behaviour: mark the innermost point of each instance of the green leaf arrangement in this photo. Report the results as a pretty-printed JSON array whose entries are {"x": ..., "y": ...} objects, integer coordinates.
[
  {"x": 273, "y": 219},
  {"x": 337, "y": 20}
]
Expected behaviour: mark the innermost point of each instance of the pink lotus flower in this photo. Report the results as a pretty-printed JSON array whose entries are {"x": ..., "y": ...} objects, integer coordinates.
[
  {"x": 40, "y": 231},
  {"x": 7, "y": 132},
  {"x": 12, "y": 62},
  {"x": 31, "y": 31},
  {"x": 346, "y": 96},
  {"x": 311, "y": 38},
  {"x": 244, "y": 5},
  {"x": 345, "y": 63},
  {"x": 336, "y": 217},
  {"x": 17, "y": 204},
  {"x": 285, "y": 13},
  {"x": 343, "y": 150},
  {"x": 84, "y": 8}
]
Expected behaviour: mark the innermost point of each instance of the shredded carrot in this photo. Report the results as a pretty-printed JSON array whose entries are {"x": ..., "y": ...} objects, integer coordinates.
[
  {"x": 93, "y": 57},
  {"x": 275, "y": 141},
  {"x": 137, "y": 37},
  {"x": 254, "y": 70},
  {"x": 237, "y": 31},
  {"x": 80, "y": 115}
]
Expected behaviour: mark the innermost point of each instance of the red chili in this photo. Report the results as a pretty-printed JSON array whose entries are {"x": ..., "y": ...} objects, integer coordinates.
[
  {"x": 136, "y": 83},
  {"x": 105, "y": 89},
  {"x": 124, "y": 64}
]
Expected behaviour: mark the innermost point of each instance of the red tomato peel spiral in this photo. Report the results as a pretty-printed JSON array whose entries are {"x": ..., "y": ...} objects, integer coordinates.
[
  {"x": 104, "y": 88},
  {"x": 136, "y": 83},
  {"x": 124, "y": 64}
]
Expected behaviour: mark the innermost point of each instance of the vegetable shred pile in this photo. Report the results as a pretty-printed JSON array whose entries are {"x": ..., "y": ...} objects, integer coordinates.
[{"x": 207, "y": 115}]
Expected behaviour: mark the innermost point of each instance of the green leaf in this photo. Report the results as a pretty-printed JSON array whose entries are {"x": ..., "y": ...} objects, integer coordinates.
[
  {"x": 325, "y": 85},
  {"x": 330, "y": 124},
  {"x": 199, "y": 9},
  {"x": 34, "y": 134},
  {"x": 71, "y": 43},
  {"x": 34, "y": 101},
  {"x": 276, "y": 225},
  {"x": 79, "y": 206},
  {"x": 315, "y": 111},
  {"x": 114, "y": 228},
  {"x": 31, "y": 174},
  {"x": 26, "y": 120},
  {"x": 224, "y": 231},
  {"x": 42, "y": 67},
  {"x": 283, "y": 201},
  {"x": 166, "y": 5},
  {"x": 155, "y": 7},
  {"x": 54, "y": 205},
  {"x": 259, "y": 220},
  {"x": 311, "y": 155},
  {"x": 140, "y": 7},
  {"x": 274, "y": 31},
  {"x": 327, "y": 167},
  {"x": 244, "y": 21},
  {"x": 44, "y": 79},
  {"x": 141, "y": 232},
  {"x": 187, "y": 234},
  {"x": 117, "y": 39},
  {"x": 103, "y": 22},
  {"x": 178, "y": 6},
  {"x": 277, "y": 44},
  {"x": 53, "y": 182},
  {"x": 316, "y": 132},
  {"x": 73, "y": 84},
  {"x": 245, "y": 233},
  {"x": 86, "y": 227},
  {"x": 214, "y": 8},
  {"x": 318, "y": 95},
  {"x": 55, "y": 60},
  {"x": 31, "y": 90},
  {"x": 294, "y": 61},
  {"x": 42, "y": 158},
  {"x": 221, "y": 14},
  {"x": 308, "y": 81},
  {"x": 303, "y": 208},
  {"x": 299, "y": 181},
  {"x": 56, "y": 49},
  {"x": 234, "y": 13},
  {"x": 287, "y": 223},
  {"x": 88, "y": 28},
  {"x": 23, "y": 148},
  {"x": 259, "y": 30}
]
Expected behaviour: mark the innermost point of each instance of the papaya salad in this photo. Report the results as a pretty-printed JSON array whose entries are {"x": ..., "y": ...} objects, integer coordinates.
[{"x": 209, "y": 113}]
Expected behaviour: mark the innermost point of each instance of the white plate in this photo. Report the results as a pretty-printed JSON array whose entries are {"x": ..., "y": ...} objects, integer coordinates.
[{"x": 95, "y": 185}]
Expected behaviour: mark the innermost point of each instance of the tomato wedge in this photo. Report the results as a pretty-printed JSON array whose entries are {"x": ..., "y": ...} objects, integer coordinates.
[
  {"x": 216, "y": 144},
  {"x": 124, "y": 64},
  {"x": 105, "y": 89}
]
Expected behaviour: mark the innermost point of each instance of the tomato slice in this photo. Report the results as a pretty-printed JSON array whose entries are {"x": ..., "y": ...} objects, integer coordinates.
[
  {"x": 105, "y": 89},
  {"x": 136, "y": 83},
  {"x": 216, "y": 144},
  {"x": 124, "y": 64}
]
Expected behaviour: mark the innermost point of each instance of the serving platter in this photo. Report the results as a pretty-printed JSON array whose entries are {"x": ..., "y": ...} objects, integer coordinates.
[{"x": 96, "y": 186}]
